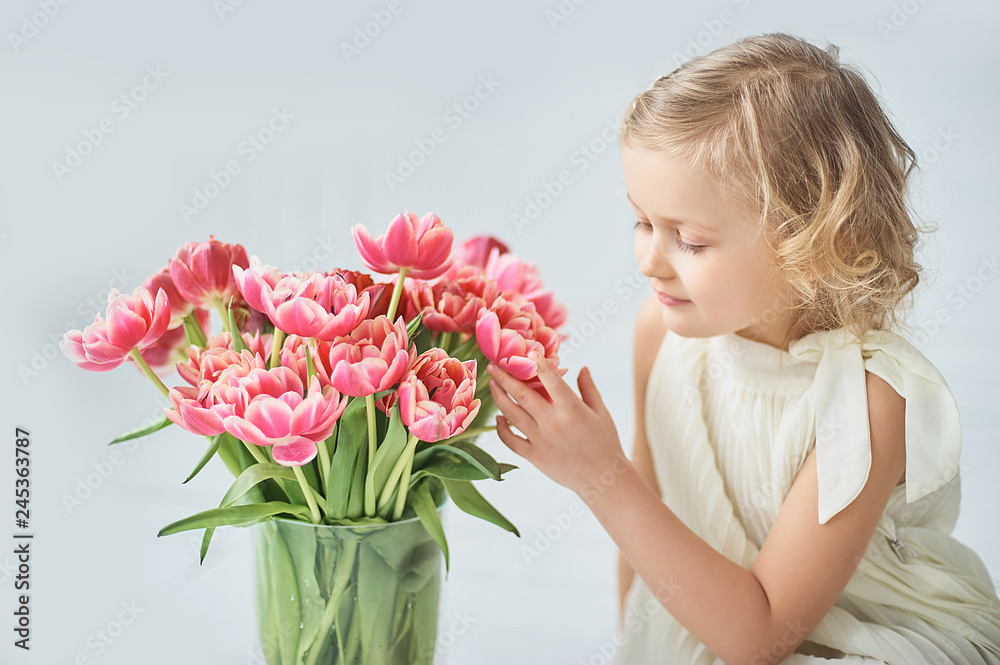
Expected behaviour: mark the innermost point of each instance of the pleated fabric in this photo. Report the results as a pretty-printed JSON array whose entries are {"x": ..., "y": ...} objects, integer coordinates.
[{"x": 729, "y": 422}]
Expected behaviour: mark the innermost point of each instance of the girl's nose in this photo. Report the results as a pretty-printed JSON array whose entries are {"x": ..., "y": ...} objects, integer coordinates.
[{"x": 654, "y": 263}]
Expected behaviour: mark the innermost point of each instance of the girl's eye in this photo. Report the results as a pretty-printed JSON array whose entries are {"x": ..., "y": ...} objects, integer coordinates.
[
  {"x": 683, "y": 246},
  {"x": 691, "y": 249}
]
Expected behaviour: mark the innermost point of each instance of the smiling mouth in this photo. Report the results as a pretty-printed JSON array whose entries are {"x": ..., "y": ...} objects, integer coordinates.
[{"x": 670, "y": 300}]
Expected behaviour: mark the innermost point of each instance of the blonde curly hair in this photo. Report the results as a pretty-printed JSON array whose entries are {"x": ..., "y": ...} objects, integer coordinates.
[{"x": 785, "y": 126}]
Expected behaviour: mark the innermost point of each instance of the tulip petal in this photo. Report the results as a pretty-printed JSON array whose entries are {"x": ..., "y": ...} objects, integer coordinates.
[
  {"x": 295, "y": 453},
  {"x": 272, "y": 416}
]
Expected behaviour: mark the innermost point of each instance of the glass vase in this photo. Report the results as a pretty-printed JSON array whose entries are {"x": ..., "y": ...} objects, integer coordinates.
[{"x": 347, "y": 594}]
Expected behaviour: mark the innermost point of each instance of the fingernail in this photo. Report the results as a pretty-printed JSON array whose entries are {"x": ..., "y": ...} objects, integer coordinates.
[
  {"x": 534, "y": 356},
  {"x": 489, "y": 369}
]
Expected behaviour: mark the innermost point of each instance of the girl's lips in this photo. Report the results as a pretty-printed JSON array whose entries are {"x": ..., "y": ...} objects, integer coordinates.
[{"x": 668, "y": 300}]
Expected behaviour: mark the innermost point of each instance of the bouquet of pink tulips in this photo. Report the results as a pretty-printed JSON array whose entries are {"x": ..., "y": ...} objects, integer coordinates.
[{"x": 331, "y": 397}]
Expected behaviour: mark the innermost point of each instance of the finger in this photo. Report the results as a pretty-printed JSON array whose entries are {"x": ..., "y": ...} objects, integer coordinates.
[
  {"x": 519, "y": 445},
  {"x": 514, "y": 413},
  {"x": 554, "y": 384},
  {"x": 530, "y": 401},
  {"x": 588, "y": 391}
]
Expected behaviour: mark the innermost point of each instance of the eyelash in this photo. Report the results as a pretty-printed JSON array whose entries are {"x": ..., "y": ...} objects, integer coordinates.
[{"x": 683, "y": 246}]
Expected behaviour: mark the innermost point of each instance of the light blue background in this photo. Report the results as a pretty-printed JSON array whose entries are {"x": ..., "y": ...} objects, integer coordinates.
[{"x": 115, "y": 218}]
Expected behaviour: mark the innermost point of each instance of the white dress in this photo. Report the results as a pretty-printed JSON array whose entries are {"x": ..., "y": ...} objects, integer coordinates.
[{"x": 729, "y": 421}]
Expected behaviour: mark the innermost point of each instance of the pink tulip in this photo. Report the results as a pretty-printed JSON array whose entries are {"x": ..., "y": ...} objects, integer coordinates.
[
  {"x": 209, "y": 362},
  {"x": 202, "y": 407},
  {"x": 203, "y": 271},
  {"x": 507, "y": 332},
  {"x": 477, "y": 250},
  {"x": 134, "y": 321},
  {"x": 293, "y": 356},
  {"x": 452, "y": 305},
  {"x": 372, "y": 358},
  {"x": 179, "y": 305},
  {"x": 437, "y": 396},
  {"x": 270, "y": 410},
  {"x": 422, "y": 246},
  {"x": 172, "y": 348},
  {"x": 322, "y": 306},
  {"x": 514, "y": 276}
]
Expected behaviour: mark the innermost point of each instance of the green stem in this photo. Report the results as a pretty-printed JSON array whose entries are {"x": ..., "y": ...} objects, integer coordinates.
[
  {"x": 370, "y": 476},
  {"x": 396, "y": 292},
  {"x": 308, "y": 491},
  {"x": 224, "y": 314},
  {"x": 324, "y": 462},
  {"x": 404, "y": 488},
  {"x": 445, "y": 341},
  {"x": 310, "y": 366},
  {"x": 193, "y": 330},
  {"x": 256, "y": 452},
  {"x": 405, "y": 461},
  {"x": 345, "y": 568},
  {"x": 150, "y": 374},
  {"x": 276, "y": 343}
]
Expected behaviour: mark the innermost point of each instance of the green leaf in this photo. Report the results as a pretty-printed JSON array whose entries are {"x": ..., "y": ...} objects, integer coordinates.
[
  {"x": 504, "y": 467},
  {"x": 209, "y": 454},
  {"x": 463, "y": 450},
  {"x": 193, "y": 331},
  {"x": 251, "y": 476},
  {"x": 443, "y": 462},
  {"x": 244, "y": 515},
  {"x": 356, "y": 502},
  {"x": 205, "y": 541},
  {"x": 238, "y": 344},
  {"x": 412, "y": 325},
  {"x": 423, "y": 504},
  {"x": 352, "y": 432},
  {"x": 470, "y": 501},
  {"x": 284, "y": 596},
  {"x": 387, "y": 453},
  {"x": 155, "y": 426}
]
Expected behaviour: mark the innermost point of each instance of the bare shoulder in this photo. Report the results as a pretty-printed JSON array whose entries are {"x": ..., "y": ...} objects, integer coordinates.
[
  {"x": 649, "y": 333},
  {"x": 886, "y": 419}
]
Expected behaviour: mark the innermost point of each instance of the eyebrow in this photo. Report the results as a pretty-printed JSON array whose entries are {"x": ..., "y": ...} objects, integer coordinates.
[{"x": 676, "y": 220}]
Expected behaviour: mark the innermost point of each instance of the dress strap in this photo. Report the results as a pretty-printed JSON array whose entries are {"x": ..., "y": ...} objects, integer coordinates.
[{"x": 843, "y": 443}]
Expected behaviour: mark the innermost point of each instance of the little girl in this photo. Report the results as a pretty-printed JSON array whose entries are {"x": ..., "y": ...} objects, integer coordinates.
[{"x": 794, "y": 479}]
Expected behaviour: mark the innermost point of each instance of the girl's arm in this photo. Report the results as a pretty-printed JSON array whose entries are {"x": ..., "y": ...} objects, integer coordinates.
[
  {"x": 743, "y": 616},
  {"x": 649, "y": 332}
]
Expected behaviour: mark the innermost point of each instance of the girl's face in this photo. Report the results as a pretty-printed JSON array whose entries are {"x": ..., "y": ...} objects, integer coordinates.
[{"x": 697, "y": 249}]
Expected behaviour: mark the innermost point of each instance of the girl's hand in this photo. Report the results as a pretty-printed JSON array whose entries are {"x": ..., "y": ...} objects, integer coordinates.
[{"x": 571, "y": 440}]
